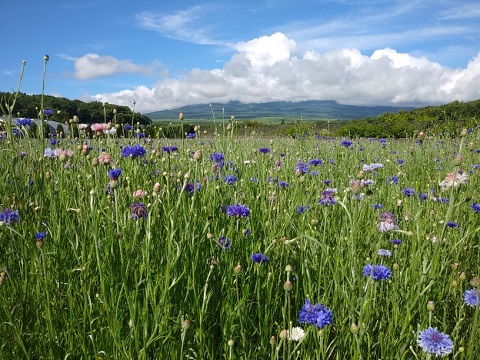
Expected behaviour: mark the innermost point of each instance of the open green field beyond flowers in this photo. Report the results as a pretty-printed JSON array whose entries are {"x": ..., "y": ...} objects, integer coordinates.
[{"x": 307, "y": 248}]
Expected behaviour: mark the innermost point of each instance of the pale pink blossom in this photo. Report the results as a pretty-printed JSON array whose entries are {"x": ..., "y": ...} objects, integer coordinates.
[
  {"x": 104, "y": 158},
  {"x": 454, "y": 179},
  {"x": 99, "y": 127},
  {"x": 139, "y": 193}
]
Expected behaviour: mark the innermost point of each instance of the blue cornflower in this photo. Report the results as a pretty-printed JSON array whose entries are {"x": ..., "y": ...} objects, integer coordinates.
[
  {"x": 259, "y": 258},
  {"x": 238, "y": 210},
  {"x": 50, "y": 153},
  {"x": 230, "y": 179},
  {"x": 224, "y": 243},
  {"x": 169, "y": 149},
  {"x": 217, "y": 157},
  {"x": 301, "y": 168},
  {"x": 40, "y": 235},
  {"x": 423, "y": 196},
  {"x": 396, "y": 241},
  {"x": 347, "y": 143},
  {"x": 327, "y": 182},
  {"x": 442, "y": 200},
  {"x": 134, "y": 151},
  {"x": 378, "y": 272},
  {"x": 472, "y": 297},
  {"x": 302, "y": 208},
  {"x": 48, "y": 111},
  {"x": 376, "y": 206},
  {"x": 408, "y": 192},
  {"x": 316, "y": 162},
  {"x": 138, "y": 210},
  {"x": 114, "y": 174},
  {"x": 328, "y": 197},
  {"x": 283, "y": 184},
  {"x": 475, "y": 207},
  {"x": 384, "y": 252},
  {"x": 452, "y": 224},
  {"x": 434, "y": 342},
  {"x": 191, "y": 136},
  {"x": 128, "y": 127},
  {"x": 191, "y": 187},
  {"x": 264, "y": 150},
  {"x": 392, "y": 180},
  {"x": 400, "y": 161},
  {"x": 139, "y": 135},
  {"x": 24, "y": 122},
  {"x": 372, "y": 167},
  {"x": 317, "y": 314},
  {"x": 8, "y": 216}
]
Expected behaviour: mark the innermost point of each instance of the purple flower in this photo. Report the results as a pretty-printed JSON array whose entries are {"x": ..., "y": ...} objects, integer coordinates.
[
  {"x": 224, "y": 243},
  {"x": 301, "y": 168},
  {"x": 378, "y": 272},
  {"x": 408, "y": 192},
  {"x": 264, "y": 150},
  {"x": 259, "y": 258},
  {"x": 372, "y": 167},
  {"x": 217, "y": 158},
  {"x": 24, "y": 122},
  {"x": 387, "y": 222},
  {"x": 434, "y": 342},
  {"x": 452, "y": 224},
  {"x": 40, "y": 235},
  {"x": 191, "y": 187},
  {"x": 392, "y": 180},
  {"x": 316, "y": 162},
  {"x": 475, "y": 207},
  {"x": 302, "y": 208},
  {"x": 114, "y": 174},
  {"x": 48, "y": 111},
  {"x": 283, "y": 184},
  {"x": 238, "y": 210},
  {"x": 138, "y": 210},
  {"x": 384, "y": 253},
  {"x": 8, "y": 216},
  {"x": 128, "y": 127},
  {"x": 230, "y": 179},
  {"x": 169, "y": 149},
  {"x": 328, "y": 197},
  {"x": 472, "y": 297},
  {"x": 316, "y": 314},
  {"x": 396, "y": 241},
  {"x": 347, "y": 143}
]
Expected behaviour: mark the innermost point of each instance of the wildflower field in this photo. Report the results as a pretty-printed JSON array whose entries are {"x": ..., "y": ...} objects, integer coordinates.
[{"x": 240, "y": 248}]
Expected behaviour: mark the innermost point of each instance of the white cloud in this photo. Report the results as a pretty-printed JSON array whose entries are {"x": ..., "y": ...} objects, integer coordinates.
[
  {"x": 267, "y": 68},
  {"x": 92, "y": 66},
  {"x": 186, "y": 25}
]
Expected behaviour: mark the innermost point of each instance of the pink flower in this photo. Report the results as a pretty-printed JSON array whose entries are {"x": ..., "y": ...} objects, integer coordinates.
[
  {"x": 104, "y": 158},
  {"x": 99, "y": 127},
  {"x": 139, "y": 193},
  {"x": 454, "y": 179}
]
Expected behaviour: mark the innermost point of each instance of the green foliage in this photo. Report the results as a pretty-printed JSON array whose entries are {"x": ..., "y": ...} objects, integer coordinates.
[{"x": 64, "y": 109}]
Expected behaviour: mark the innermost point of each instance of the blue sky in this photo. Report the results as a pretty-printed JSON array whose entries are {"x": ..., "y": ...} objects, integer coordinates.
[{"x": 166, "y": 54}]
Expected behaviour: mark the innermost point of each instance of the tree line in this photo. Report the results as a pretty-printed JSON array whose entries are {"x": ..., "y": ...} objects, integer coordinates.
[{"x": 62, "y": 110}]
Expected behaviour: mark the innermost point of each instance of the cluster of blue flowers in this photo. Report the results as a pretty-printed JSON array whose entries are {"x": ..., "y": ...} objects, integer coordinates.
[
  {"x": 316, "y": 314},
  {"x": 134, "y": 151},
  {"x": 8, "y": 216},
  {"x": 238, "y": 210}
]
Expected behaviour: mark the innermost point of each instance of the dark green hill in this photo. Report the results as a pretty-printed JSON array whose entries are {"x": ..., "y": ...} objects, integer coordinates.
[{"x": 311, "y": 109}]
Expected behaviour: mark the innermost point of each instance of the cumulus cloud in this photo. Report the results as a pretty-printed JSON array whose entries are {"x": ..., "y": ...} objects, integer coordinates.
[
  {"x": 269, "y": 68},
  {"x": 92, "y": 66}
]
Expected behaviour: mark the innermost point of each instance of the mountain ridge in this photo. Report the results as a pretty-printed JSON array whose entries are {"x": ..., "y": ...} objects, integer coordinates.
[{"x": 308, "y": 109}]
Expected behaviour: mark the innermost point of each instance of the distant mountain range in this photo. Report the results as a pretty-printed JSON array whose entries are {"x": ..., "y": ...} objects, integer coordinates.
[{"x": 311, "y": 109}]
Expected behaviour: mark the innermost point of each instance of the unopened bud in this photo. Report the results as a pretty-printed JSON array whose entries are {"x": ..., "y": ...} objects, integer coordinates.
[
  {"x": 475, "y": 282},
  {"x": 354, "y": 328},
  {"x": 430, "y": 306},
  {"x": 288, "y": 286}
]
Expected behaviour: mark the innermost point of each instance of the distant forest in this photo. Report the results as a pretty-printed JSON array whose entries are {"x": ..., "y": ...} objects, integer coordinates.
[{"x": 63, "y": 109}]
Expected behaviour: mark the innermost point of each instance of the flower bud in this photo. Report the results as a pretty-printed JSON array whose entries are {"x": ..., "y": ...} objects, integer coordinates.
[
  {"x": 185, "y": 324},
  {"x": 272, "y": 340},
  {"x": 237, "y": 269},
  {"x": 463, "y": 275},
  {"x": 430, "y": 306},
  {"x": 197, "y": 155},
  {"x": 354, "y": 328},
  {"x": 288, "y": 286},
  {"x": 180, "y": 116},
  {"x": 283, "y": 334},
  {"x": 475, "y": 282}
]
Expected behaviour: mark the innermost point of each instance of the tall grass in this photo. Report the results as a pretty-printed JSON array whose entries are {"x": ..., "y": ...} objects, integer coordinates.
[{"x": 106, "y": 285}]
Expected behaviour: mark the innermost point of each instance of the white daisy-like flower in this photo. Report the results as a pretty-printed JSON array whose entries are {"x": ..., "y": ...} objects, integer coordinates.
[{"x": 296, "y": 334}]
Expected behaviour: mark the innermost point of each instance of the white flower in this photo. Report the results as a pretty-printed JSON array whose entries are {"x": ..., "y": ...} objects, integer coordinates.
[{"x": 296, "y": 334}]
